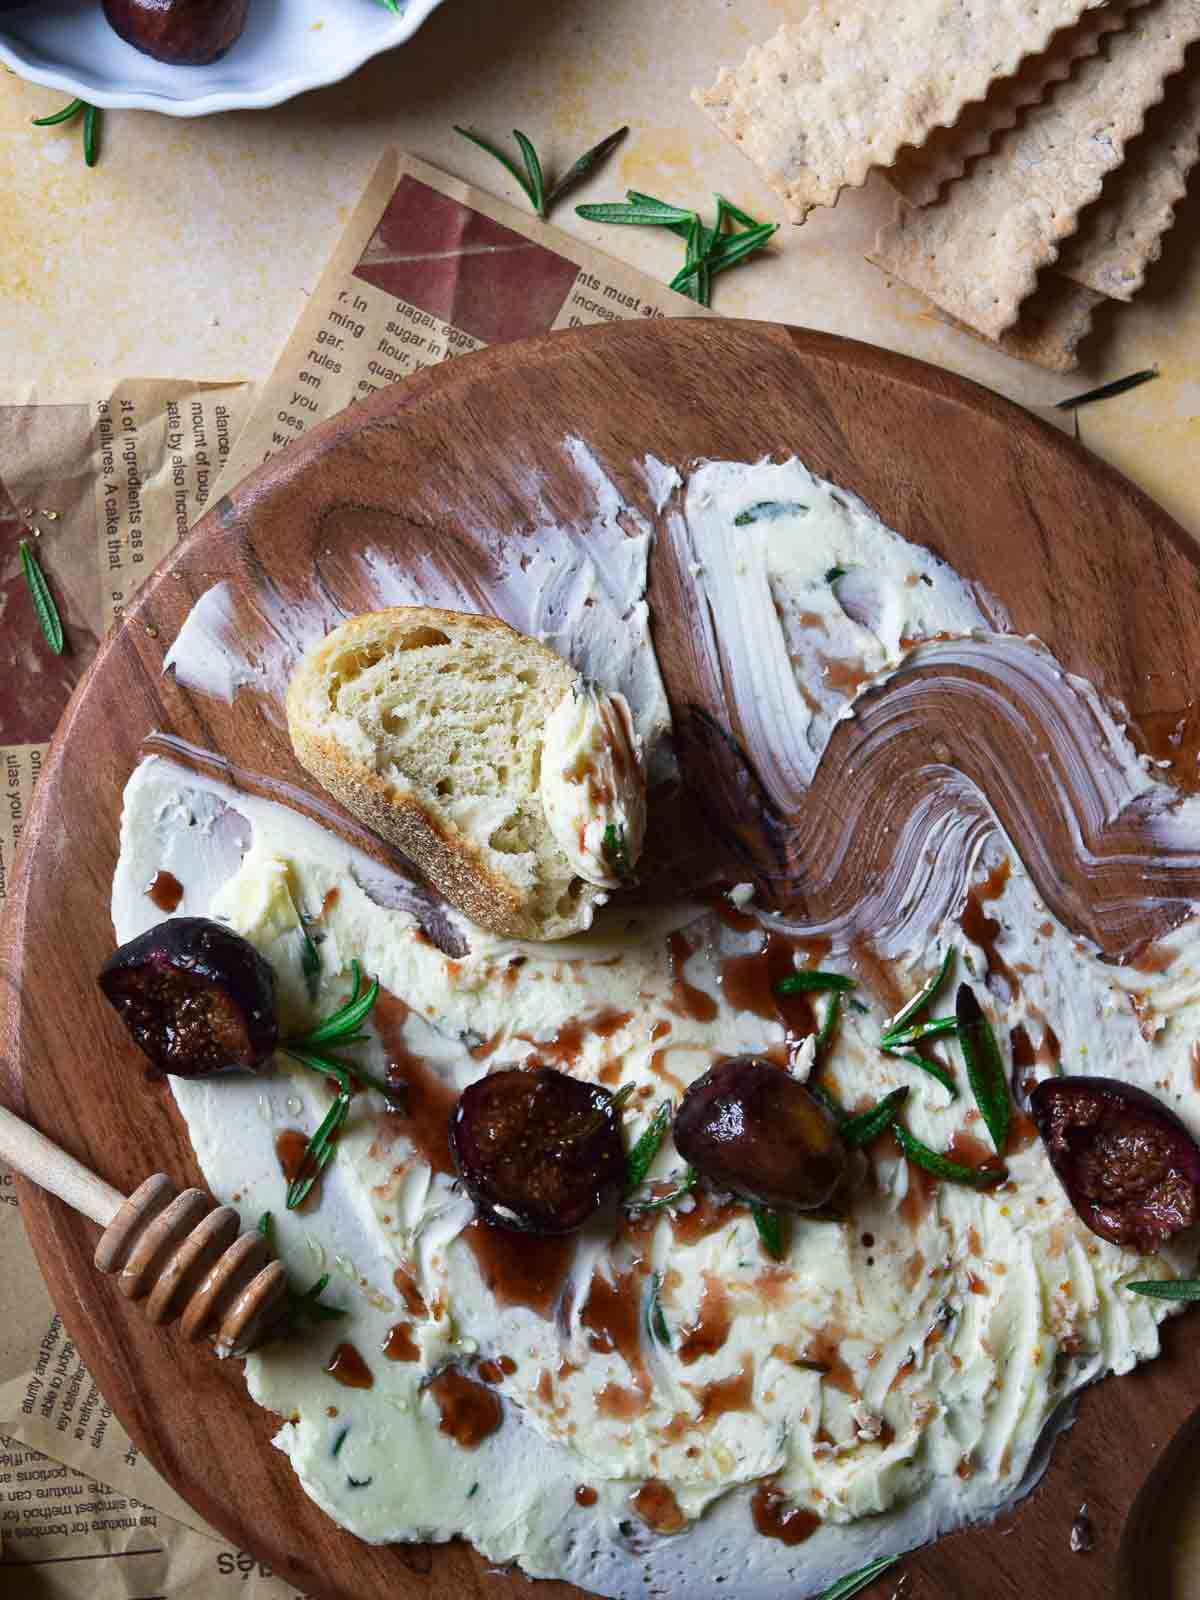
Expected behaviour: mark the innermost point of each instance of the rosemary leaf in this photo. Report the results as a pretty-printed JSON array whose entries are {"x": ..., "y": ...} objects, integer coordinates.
[
  {"x": 309, "y": 1303},
  {"x": 690, "y": 1178},
  {"x": 509, "y": 166},
  {"x": 985, "y": 1066},
  {"x": 266, "y": 1226},
  {"x": 641, "y": 1157},
  {"x": 318, "y": 1151},
  {"x": 770, "y": 1232},
  {"x": 578, "y": 170},
  {"x": 834, "y": 574},
  {"x": 1168, "y": 1288},
  {"x": 659, "y": 215},
  {"x": 310, "y": 959},
  {"x": 1106, "y": 391},
  {"x": 933, "y": 1068},
  {"x": 832, "y": 1018},
  {"x": 768, "y": 511},
  {"x": 91, "y": 126},
  {"x": 941, "y": 1166},
  {"x": 43, "y": 601},
  {"x": 636, "y": 198},
  {"x": 811, "y": 980},
  {"x": 340, "y": 1440},
  {"x": 855, "y": 1582},
  {"x": 726, "y": 208},
  {"x": 923, "y": 997},
  {"x": 69, "y": 111},
  {"x": 656, "y": 1322},
  {"x": 533, "y": 167},
  {"x": 615, "y": 849},
  {"x": 869, "y": 1124},
  {"x": 823, "y": 1095},
  {"x": 918, "y": 1030}
]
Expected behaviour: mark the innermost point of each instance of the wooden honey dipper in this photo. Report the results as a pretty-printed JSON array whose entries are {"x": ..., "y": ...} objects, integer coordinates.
[{"x": 182, "y": 1253}]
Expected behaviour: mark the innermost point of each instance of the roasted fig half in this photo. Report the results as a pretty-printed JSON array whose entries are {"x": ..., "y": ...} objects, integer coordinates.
[
  {"x": 751, "y": 1128},
  {"x": 186, "y": 33},
  {"x": 1129, "y": 1166},
  {"x": 537, "y": 1150},
  {"x": 197, "y": 997}
]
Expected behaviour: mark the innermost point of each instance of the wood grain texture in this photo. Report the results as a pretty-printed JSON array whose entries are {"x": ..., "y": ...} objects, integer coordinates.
[{"x": 1074, "y": 552}]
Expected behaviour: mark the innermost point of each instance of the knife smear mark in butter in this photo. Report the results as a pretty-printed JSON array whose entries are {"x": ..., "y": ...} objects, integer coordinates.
[{"x": 898, "y": 1372}]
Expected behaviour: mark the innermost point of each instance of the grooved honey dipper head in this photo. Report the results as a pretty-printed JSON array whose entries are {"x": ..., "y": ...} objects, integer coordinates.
[{"x": 183, "y": 1255}]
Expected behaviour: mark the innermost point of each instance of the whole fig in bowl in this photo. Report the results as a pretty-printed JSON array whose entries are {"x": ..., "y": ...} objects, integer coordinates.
[
  {"x": 183, "y": 32},
  {"x": 1129, "y": 1166}
]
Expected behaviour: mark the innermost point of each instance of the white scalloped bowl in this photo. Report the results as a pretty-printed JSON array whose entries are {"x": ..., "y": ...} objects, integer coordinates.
[{"x": 288, "y": 46}]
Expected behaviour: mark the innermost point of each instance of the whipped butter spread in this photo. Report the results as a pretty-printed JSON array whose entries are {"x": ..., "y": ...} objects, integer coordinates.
[
  {"x": 902, "y": 1370},
  {"x": 593, "y": 784}
]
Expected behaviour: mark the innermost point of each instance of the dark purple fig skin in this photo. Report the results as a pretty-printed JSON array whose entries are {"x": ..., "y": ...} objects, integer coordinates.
[
  {"x": 1128, "y": 1164},
  {"x": 196, "y": 997},
  {"x": 186, "y": 33},
  {"x": 537, "y": 1151},
  {"x": 749, "y": 1127}
]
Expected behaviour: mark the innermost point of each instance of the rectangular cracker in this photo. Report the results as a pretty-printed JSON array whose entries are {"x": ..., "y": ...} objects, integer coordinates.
[
  {"x": 977, "y": 251},
  {"x": 920, "y": 173},
  {"x": 1122, "y": 233},
  {"x": 842, "y": 87},
  {"x": 1054, "y": 322}
]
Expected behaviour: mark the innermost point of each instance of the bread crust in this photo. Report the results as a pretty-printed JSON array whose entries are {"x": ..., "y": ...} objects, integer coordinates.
[{"x": 444, "y": 852}]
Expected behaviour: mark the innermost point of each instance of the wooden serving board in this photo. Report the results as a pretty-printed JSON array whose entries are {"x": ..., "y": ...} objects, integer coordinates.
[{"x": 1074, "y": 552}]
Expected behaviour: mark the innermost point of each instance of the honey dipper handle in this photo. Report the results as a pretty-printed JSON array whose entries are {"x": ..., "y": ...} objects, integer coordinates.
[{"x": 35, "y": 1157}]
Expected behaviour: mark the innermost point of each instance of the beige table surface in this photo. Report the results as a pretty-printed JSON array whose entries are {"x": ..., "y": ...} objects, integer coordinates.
[{"x": 189, "y": 250}]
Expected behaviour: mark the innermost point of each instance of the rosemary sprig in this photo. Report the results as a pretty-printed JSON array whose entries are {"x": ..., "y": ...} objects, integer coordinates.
[
  {"x": 811, "y": 980},
  {"x": 343, "y": 1023},
  {"x": 985, "y": 1066},
  {"x": 1168, "y": 1288},
  {"x": 91, "y": 126},
  {"x": 318, "y": 1152},
  {"x": 43, "y": 601},
  {"x": 342, "y": 1027},
  {"x": 1106, "y": 391},
  {"x": 869, "y": 1124},
  {"x": 641, "y": 1157},
  {"x": 532, "y": 182},
  {"x": 942, "y": 1166},
  {"x": 656, "y": 1322},
  {"x": 727, "y": 251},
  {"x": 770, "y": 1232},
  {"x": 709, "y": 250},
  {"x": 855, "y": 1582}
]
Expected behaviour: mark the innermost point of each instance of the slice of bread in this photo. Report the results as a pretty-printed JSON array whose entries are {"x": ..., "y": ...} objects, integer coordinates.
[{"x": 428, "y": 726}]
